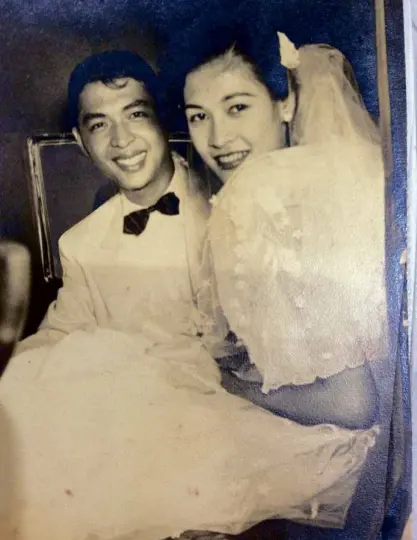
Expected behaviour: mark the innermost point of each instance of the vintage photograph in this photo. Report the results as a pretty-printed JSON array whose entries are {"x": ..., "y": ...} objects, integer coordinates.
[{"x": 204, "y": 318}]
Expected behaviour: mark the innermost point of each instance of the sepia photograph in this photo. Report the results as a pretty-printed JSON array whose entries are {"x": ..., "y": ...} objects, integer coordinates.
[{"x": 205, "y": 310}]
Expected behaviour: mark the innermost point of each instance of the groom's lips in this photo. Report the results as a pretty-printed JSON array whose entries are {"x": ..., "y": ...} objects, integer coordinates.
[
  {"x": 131, "y": 162},
  {"x": 231, "y": 160}
]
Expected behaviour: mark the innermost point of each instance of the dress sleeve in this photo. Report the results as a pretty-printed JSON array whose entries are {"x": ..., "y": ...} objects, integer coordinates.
[{"x": 298, "y": 257}]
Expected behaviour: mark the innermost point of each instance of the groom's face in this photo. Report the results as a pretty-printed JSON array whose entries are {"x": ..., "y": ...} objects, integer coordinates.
[
  {"x": 119, "y": 130},
  {"x": 231, "y": 115}
]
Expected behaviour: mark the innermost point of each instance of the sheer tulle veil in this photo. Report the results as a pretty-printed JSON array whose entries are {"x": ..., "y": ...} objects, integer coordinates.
[{"x": 329, "y": 104}]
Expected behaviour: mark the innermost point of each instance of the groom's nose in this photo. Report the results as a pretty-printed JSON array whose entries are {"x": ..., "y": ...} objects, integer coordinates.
[{"x": 121, "y": 136}]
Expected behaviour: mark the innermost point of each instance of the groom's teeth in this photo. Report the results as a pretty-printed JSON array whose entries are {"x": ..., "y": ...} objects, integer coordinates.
[
  {"x": 231, "y": 161},
  {"x": 132, "y": 162}
]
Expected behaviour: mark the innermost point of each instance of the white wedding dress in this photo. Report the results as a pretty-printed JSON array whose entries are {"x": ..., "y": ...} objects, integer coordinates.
[
  {"x": 104, "y": 436},
  {"x": 109, "y": 436}
]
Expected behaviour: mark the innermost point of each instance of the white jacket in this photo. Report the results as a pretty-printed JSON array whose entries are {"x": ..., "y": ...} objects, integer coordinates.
[{"x": 104, "y": 277}]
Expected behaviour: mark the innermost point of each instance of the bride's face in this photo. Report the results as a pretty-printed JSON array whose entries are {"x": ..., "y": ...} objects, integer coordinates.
[{"x": 231, "y": 115}]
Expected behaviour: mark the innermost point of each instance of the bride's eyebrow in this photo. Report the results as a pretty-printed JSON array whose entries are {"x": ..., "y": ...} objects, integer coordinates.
[
  {"x": 237, "y": 94},
  {"x": 192, "y": 106}
]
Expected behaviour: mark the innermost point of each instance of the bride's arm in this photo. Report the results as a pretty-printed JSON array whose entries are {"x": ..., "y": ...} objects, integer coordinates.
[{"x": 348, "y": 399}]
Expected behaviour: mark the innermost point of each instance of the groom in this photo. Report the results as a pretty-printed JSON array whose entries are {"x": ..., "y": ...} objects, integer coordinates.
[{"x": 142, "y": 247}]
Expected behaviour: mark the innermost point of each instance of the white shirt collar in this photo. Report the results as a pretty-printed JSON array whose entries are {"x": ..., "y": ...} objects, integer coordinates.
[{"x": 178, "y": 185}]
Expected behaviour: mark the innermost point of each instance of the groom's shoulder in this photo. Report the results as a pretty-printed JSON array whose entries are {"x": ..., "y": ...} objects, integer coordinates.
[{"x": 91, "y": 227}]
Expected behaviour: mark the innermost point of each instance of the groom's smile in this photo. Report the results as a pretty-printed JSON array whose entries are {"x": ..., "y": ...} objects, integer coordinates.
[
  {"x": 119, "y": 130},
  {"x": 131, "y": 163}
]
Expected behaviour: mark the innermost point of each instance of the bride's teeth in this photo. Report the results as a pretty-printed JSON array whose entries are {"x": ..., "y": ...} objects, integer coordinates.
[
  {"x": 232, "y": 160},
  {"x": 232, "y": 157}
]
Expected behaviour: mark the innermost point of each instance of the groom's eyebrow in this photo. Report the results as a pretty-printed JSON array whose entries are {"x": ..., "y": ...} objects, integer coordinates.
[
  {"x": 138, "y": 103},
  {"x": 88, "y": 117}
]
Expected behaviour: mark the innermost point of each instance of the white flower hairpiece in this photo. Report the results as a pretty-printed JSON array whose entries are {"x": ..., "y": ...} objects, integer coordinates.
[{"x": 290, "y": 57}]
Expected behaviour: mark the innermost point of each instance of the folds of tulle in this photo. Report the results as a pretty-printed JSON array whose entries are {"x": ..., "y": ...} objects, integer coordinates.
[
  {"x": 105, "y": 434},
  {"x": 298, "y": 257},
  {"x": 329, "y": 102}
]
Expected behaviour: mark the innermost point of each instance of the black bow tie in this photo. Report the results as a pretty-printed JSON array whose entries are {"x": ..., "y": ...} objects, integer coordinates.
[{"x": 135, "y": 222}]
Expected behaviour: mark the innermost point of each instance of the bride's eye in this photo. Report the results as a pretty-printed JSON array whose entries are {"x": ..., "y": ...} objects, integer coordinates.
[
  {"x": 239, "y": 107},
  {"x": 197, "y": 118}
]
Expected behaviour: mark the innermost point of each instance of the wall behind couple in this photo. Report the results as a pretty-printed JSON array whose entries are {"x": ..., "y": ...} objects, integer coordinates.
[{"x": 41, "y": 43}]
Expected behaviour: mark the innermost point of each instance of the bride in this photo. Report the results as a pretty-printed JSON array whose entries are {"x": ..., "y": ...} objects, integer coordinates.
[
  {"x": 108, "y": 436},
  {"x": 296, "y": 235}
]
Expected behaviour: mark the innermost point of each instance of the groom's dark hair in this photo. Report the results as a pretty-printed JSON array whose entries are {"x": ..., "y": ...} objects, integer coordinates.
[{"x": 107, "y": 67}]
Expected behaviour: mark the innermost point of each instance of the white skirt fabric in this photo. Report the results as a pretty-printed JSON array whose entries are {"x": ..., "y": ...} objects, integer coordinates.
[{"x": 106, "y": 436}]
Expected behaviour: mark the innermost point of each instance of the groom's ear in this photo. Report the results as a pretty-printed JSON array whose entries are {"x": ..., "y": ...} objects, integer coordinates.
[
  {"x": 287, "y": 107},
  {"x": 79, "y": 141}
]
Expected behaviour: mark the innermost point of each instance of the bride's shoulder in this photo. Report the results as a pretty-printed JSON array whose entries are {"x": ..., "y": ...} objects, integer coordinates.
[
  {"x": 304, "y": 156},
  {"x": 284, "y": 159},
  {"x": 293, "y": 164},
  {"x": 265, "y": 184},
  {"x": 271, "y": 170}
]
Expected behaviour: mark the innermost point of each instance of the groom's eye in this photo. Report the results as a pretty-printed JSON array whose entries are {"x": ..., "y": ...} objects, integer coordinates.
[
  {"x": 139, "y": 114},
  {"x": 96, "y": 126}
]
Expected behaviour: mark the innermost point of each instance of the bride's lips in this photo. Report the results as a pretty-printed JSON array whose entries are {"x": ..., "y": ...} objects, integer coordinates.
[
  {"x": 131, "y": 163},
  {"x": 230, "y": 161}
]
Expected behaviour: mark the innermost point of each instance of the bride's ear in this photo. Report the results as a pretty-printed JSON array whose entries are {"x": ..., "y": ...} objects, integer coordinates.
[{"x": 286, "y": 107}]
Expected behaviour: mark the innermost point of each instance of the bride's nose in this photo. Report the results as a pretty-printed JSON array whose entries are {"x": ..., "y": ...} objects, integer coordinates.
[{"x": 221, "y": 133}]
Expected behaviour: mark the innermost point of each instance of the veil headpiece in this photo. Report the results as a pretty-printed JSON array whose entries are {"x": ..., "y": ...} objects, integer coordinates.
[{"x": 329, "y": 103}]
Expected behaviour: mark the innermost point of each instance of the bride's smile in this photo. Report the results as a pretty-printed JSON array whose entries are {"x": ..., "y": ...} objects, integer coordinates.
[
  {"x": 231, "y": 114},
  {"x": 231, "y": 160}
]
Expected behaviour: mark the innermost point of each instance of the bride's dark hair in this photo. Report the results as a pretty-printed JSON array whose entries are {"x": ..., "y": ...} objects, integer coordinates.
[{"x": 205, "y": 40}]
